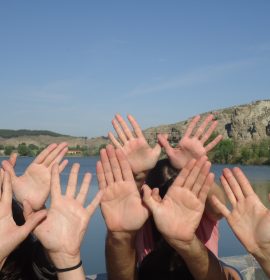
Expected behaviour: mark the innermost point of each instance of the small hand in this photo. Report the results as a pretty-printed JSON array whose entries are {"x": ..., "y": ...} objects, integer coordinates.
[
  {"x": 121, "y": 203},
  {"x": 248, "y": 218},
  {"x": 12, "y": 235},
  {"x": 34, "y": 184},
  {"x": 178, "y": 214},
  {"x": 61, "y": 233},
  {"x": 140, "y": 155},
  {"x": 189, "y": 146}
]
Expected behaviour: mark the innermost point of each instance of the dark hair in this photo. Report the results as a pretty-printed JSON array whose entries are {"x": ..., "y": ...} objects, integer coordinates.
[
  {"x": 28, "y": 260},
  {"x": 163, "y": 262}
]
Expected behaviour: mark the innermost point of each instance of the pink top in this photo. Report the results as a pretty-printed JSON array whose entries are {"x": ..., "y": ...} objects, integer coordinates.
[{"x": 207, "y": 232}]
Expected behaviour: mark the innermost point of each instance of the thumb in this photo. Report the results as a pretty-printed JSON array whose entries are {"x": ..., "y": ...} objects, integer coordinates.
[
  {"x": 148, "y": 199},
  {"x": 32, "y": 219},
  {"x": 163, "y": 141},
  {"x": 8, "y": 167},
  {"x": 157, "y": 150},
  {"x": 12, "y": 159}
]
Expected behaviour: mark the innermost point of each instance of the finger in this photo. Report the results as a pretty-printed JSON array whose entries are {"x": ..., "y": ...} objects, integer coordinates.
[
  {"x": 100, "y": 176},
  {"x": 213, "y": 143},
  {"x": 209, "y": 181},
  {"x": 162, "y": 139},
  {"x": 60, "y": 156},
  {"x": 148, "y": 199},
  {"x": 9, "y": 168},
  {"x": 63, "y": 165},
  {"x": 55, "y": 182},
  {"x": 182, "y": 176},
  {"x": 114, "y": 141},
  {"x": 191, "y": 126},
  {"x": 27, "y": 209},
  {"x": 203, "y": 126},
  {"x": 41, "y": 157},
  {"x": 72, "y": 180},
  {"x": 135, "y": 126},
  {"x": 116, "y": 171},
  {"x": 12, "y": 159},
  {"x": 196, "y": 188},
  {"x": 220, "y": 206},
  {"x": 124, "y": 165},
  {"x": 106, "y": 166},
  {"x": 209, "y": 131},
  {"x": 31, "y": 223},
  {"x": 233, "y": 184},
  {"x": 56, "y": 155},
  {"x": 95, "y": 203},
  {"x": 157, "y": 150},
  {"x": 6, "y": 190},
  {"x": 194, "y": 173},
  {"x": 228, "y": 191},
  {"x": 82, "y": 195},
  {"x": 155, "y": 195},
  {"x": 243, "y": 181},
  {"x": 119, "y": 131},
  {"x": 124, "y": 126}
]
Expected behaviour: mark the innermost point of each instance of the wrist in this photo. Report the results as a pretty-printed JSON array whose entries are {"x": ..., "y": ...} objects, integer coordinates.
[
  {"x": 184, "y": 247},
  {"x": 121, "y": 235},
  {"x": 63, "y": 260}
]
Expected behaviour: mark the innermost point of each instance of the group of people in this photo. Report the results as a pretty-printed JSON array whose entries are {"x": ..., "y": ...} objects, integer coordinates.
[{"x": 161, "y": 214}]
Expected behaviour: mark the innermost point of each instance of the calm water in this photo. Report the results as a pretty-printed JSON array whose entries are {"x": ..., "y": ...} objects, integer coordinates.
[{"x": 93, "y": 245}]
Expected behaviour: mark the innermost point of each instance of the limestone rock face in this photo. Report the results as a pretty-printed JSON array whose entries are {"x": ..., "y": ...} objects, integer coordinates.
[{"x": 243, "y": 123}]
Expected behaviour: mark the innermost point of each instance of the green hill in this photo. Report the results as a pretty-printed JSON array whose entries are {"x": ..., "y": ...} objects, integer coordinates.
[{"x": 8, "y": 133}]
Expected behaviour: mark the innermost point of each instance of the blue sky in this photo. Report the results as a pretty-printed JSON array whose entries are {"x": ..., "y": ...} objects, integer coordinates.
[{"x": 69, "y": 66}]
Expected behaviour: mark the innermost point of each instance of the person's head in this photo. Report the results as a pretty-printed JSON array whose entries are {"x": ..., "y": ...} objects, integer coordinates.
[{"x": 161, "y": 176}]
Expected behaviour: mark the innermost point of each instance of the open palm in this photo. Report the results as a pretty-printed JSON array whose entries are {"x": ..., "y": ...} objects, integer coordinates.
[
  {"x": 191, "y": 146},
  {"x": 34, "y": 184},
  {"x": 121, "y": 203},
  {"x": 67, "y": 219},
  {"x": 11, "y": 235},
  {"x": 178, "y": 214},
  {"x": 249, "y": 218},
  {"x": 140, "y": 155}
]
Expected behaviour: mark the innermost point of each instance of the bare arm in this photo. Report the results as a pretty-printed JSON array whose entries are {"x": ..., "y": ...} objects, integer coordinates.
[
  {"x": 121, "y": 255},
  {"x": 123, "y": 212},
  {"x": 201, "y": 262}
]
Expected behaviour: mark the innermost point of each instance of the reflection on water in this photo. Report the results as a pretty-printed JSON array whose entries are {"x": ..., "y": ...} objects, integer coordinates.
[{"x": 93, "y": 244}]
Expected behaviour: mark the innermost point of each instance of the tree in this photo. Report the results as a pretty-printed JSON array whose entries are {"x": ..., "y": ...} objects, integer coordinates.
[{"x": 23, "y": 149}]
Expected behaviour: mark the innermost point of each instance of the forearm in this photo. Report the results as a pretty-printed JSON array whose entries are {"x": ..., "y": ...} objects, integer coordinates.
[
  {"x": 202, "y": 264},
  {"x": 121, "y": 255}
]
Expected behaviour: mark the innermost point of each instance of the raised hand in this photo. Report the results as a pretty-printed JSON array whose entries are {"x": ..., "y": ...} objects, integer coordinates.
[
  {"x": 248, "y": 218},
  {"x": 61, "y": 233},
  {"x": 192, "y": 145},
  {"x": 34, "y": 184},
  {"x": 178, "y": 214},
  {"x": 12, "y": 235},
  {"x": 121, "y": 203},
  {"x": 140, "y": 155}
]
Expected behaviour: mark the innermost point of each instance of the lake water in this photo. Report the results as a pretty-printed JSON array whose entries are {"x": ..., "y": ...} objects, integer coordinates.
[{"x": 93, "y": 245}]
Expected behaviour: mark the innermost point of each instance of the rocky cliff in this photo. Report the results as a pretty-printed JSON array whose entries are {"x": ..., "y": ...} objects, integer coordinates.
[{"x": 243, "y": 124}]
